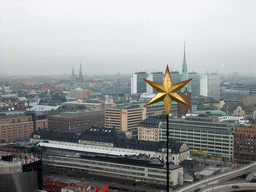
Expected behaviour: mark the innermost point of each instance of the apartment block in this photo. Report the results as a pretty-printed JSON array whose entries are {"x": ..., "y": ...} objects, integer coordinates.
[{"x": 210, "y": 86}]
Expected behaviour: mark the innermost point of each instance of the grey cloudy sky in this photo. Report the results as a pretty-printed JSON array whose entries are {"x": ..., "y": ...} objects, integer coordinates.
[{"x": 51, "y": 37}]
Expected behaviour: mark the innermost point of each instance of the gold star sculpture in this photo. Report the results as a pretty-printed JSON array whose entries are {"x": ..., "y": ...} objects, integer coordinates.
[{"x": 167, "y": 92}]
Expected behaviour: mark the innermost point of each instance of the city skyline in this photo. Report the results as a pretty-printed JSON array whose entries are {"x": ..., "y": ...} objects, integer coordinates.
[{"x": 41, "y": 38}]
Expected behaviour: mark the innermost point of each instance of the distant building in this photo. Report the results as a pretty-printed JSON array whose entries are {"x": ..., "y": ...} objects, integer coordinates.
[
  {"x": 125, "y": 117},
  {"x": 83, "y": 104},
  {"x": 194, "y": 83},
  {"x": 138, "y": 85},
  {"x": 79, "y": 93},
  {"x": 20, "y": 106},
  {"x": 157, "y": 108},
  {"x": 175, "y": 76},
  {"x": 157, "y": 77},
  {"x": 210, "y": 86},
  {"x": 76, "y": 121},
  {"x": 240, "y": 109},
  {"x": 249, "y": 100}
]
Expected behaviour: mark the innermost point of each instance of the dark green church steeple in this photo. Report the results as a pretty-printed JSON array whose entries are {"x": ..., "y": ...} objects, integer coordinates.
[{"x": 185, "y": 73}]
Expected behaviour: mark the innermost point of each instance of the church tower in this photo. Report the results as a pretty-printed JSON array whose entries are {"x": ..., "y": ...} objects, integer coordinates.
[
  {"x": 80, "y": 77},
  {"x": 185, "y": 91},
  {"x": 73, "y": 76},
  {"x": 185, "y": 74}
]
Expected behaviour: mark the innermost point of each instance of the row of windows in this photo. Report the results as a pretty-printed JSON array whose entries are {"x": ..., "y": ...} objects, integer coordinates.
[
  {"x": 157, "y": 176},
  {"x": 102, "y": 169},
  {"x": 97, "y": 163},
  {"x": 204, "y": 135},
  {"x": 200, "y": 131},
  {"x": 156, "y": 171}
]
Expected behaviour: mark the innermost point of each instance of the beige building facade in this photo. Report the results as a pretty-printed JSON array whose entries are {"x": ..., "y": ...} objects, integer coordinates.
[
  {"x": 125, "y": 117},
  {"x": 148, "y": 130}
]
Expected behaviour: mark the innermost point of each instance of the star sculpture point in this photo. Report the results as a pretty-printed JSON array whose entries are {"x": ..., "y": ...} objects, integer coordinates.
[{"x": 167, "y": 92}]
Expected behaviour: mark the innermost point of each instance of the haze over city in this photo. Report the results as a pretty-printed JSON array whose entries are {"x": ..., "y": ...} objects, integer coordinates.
[{"x": 51, "y": 37}]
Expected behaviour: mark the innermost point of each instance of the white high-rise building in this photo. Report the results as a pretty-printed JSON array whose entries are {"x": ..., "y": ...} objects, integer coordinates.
[
  {"x": 210, "y": 86},
  {"x": 138, "y": 85}
]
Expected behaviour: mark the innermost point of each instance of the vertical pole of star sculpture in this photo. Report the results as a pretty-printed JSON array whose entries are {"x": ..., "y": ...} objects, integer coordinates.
[
  {"x": 167, "y": 157},
  {"x": 167, "y": 92}
]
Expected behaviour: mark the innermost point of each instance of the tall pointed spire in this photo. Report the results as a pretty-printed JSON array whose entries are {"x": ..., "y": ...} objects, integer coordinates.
[
  {"x": 73, "y": 72},
  {"x": 184, "y": 73},
  {"x": 80, "y": 73}
]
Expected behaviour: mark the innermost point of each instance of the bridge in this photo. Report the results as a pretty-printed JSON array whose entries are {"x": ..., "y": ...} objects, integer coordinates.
[{"x": 219, "y": 178}]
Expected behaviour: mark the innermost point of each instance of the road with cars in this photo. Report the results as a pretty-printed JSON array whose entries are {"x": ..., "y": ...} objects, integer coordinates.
[{"x": 219, "y": 178}]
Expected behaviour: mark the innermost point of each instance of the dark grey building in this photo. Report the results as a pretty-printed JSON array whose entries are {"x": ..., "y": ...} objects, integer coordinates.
[
  {"x": 175, "y": 76},
  {"x": 138, "y": 85},
  {"x": 157, "y": 77},
  {"x": 194, "y": 83}
]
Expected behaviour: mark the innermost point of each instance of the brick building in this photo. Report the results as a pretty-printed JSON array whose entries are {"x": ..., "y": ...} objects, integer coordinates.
[
  {"x": 245, "y": 143},
  {"x": 76, "y": 121},
  {"x": 15, "y": 127},
  {"x": 183, "y": 109}
]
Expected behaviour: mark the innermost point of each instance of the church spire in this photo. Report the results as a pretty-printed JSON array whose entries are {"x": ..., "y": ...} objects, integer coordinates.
[
  {"x": 80, "y": 73},
  {"x": 184, "y": 73}
]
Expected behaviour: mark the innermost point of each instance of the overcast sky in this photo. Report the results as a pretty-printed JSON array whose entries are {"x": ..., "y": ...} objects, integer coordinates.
[{"x": 52, "y": 36}]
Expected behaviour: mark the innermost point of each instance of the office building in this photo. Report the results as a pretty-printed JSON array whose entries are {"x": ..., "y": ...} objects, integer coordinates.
[
  {"x": 76, "y": 121},
  {"x": 202, "y": 134},
  {"x": 210, "y": 86},
  {"x": 194, "y": 83},
  {"x": 156, "y": 109},
  {"x": 175, "y": 76},
  {"x": 138, "y": 85},
  {"x": 125, "y": 117},
  {"x": 15, "y": 127},
  {"x": 157, "y": 77}
]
